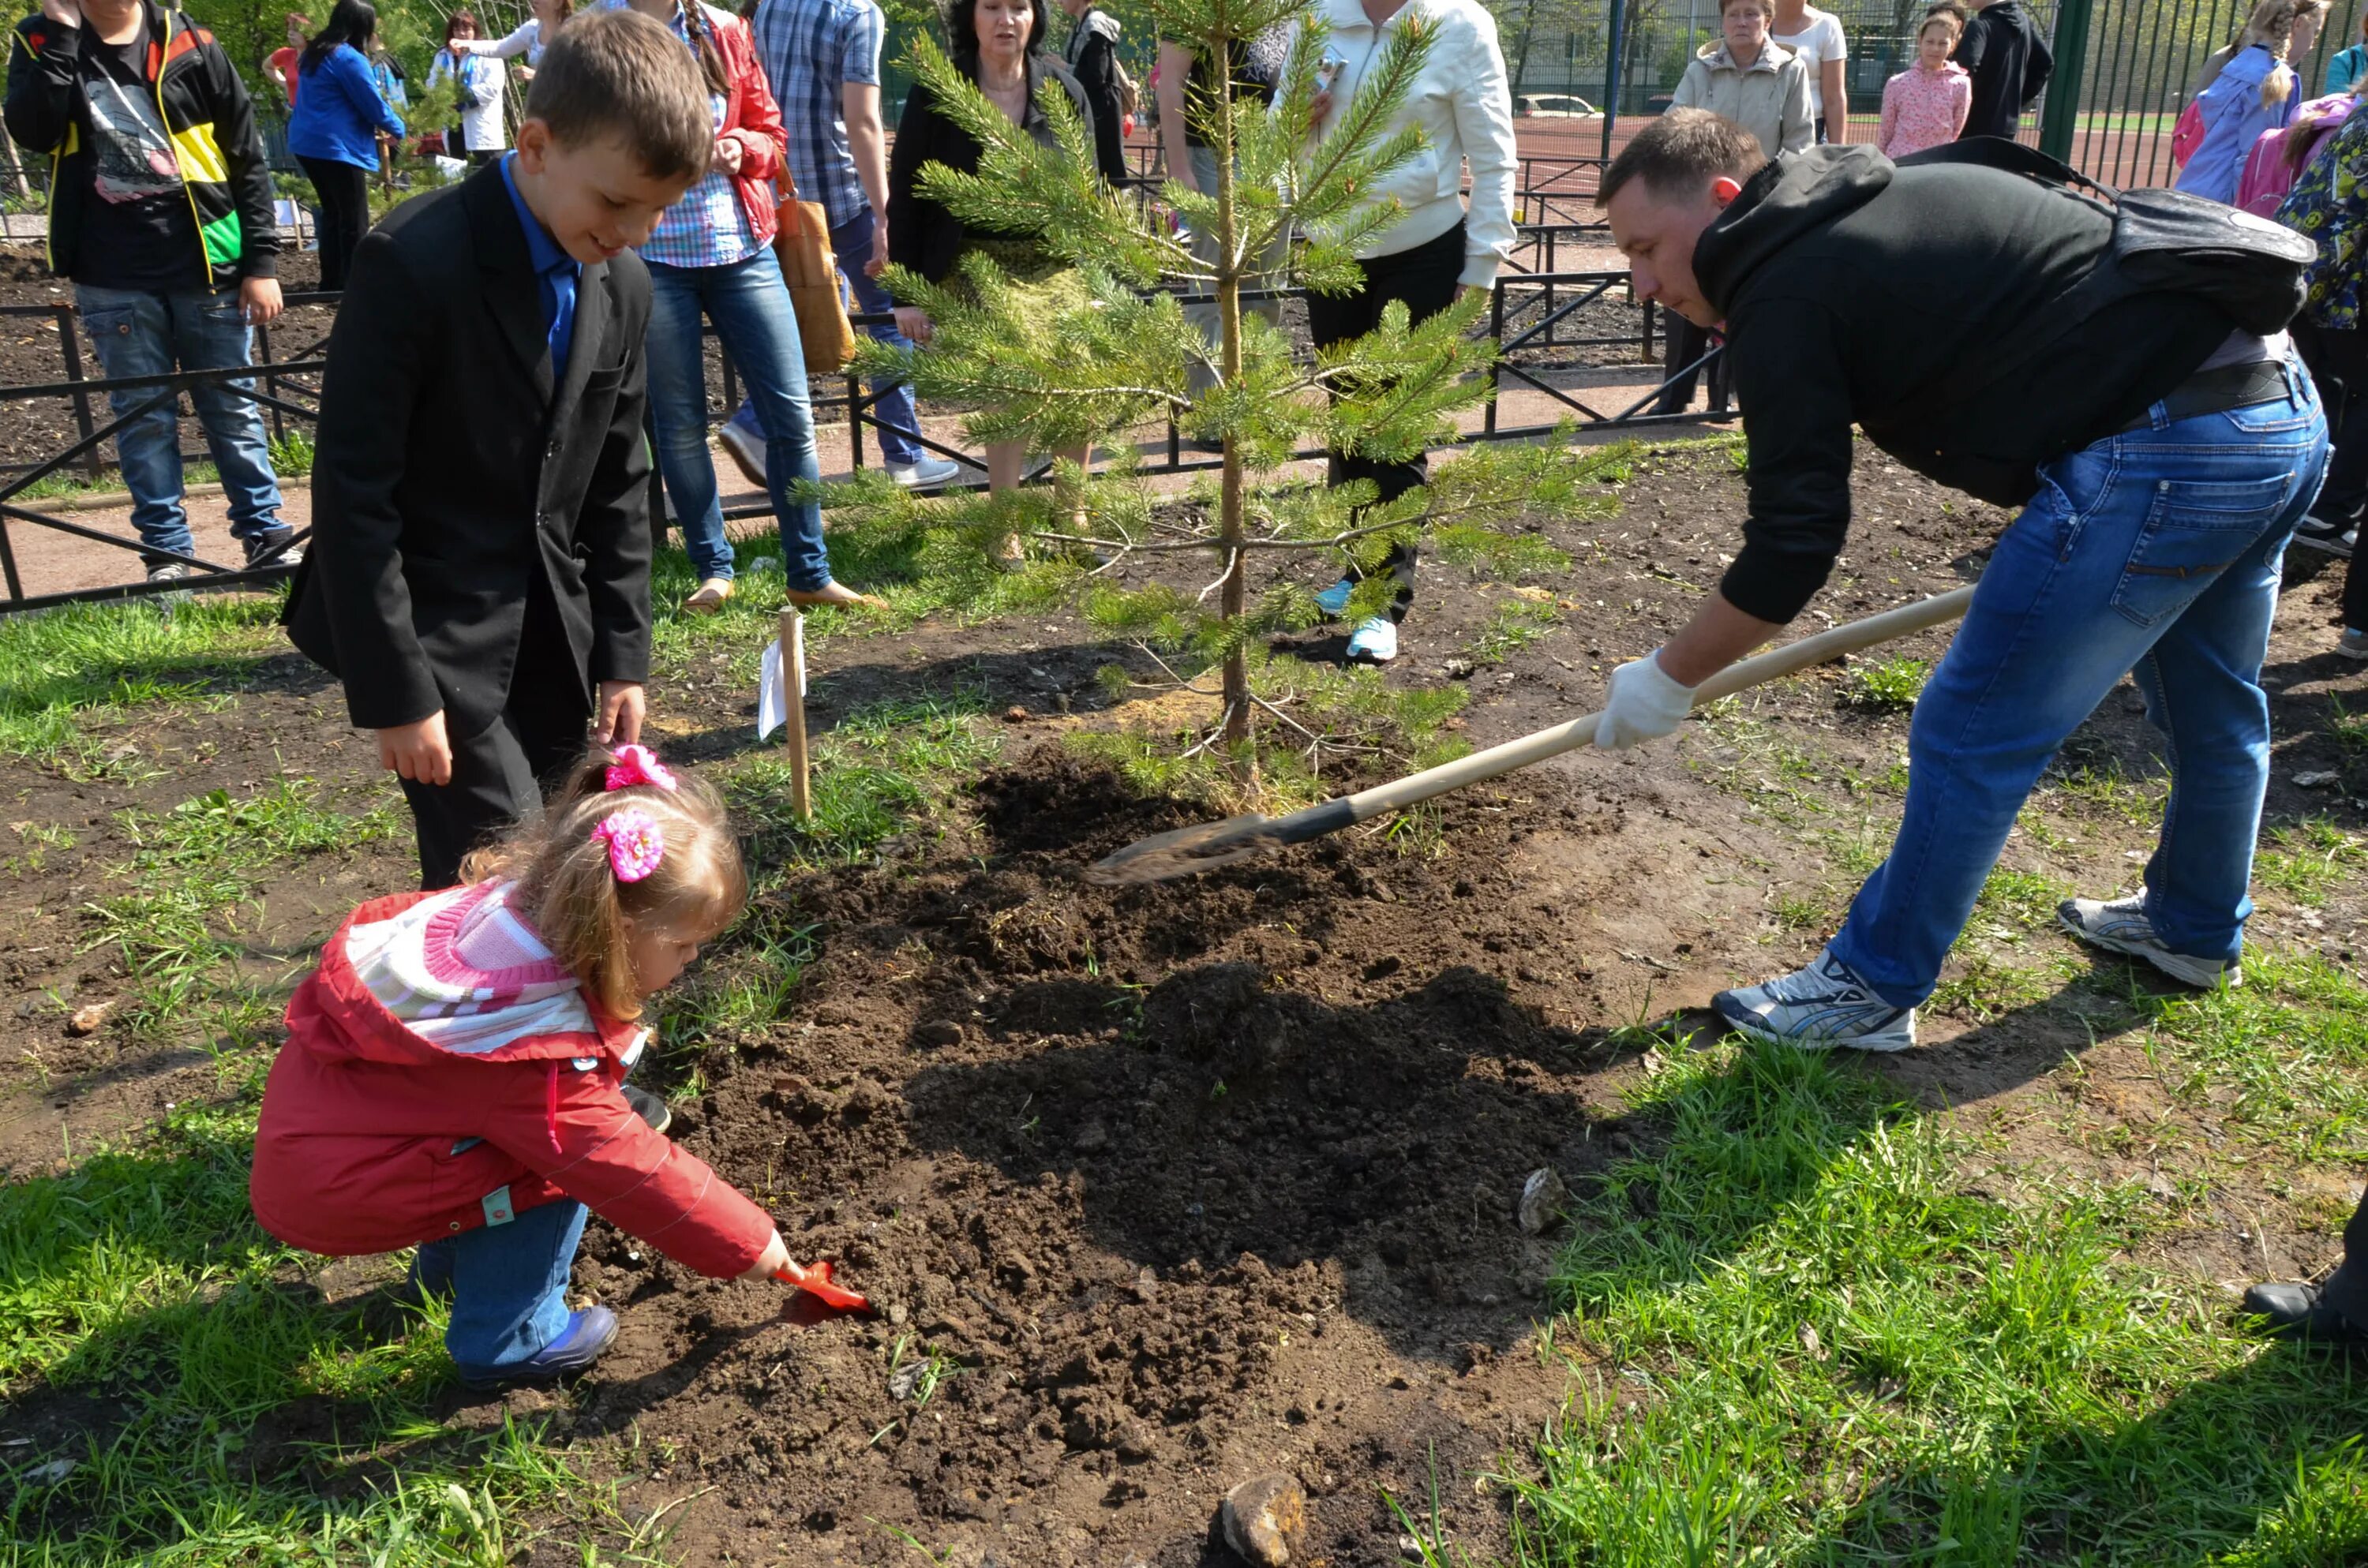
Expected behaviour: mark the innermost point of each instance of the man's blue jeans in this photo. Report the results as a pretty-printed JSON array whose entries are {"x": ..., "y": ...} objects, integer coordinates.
[
  {"x": 2156, "y": 552},
  {"x": 137, "y": 333},
  {"x": 750, "y": 307},
  {"x": 508, "y": 1283},
  {"x": 892, "y": 403}
]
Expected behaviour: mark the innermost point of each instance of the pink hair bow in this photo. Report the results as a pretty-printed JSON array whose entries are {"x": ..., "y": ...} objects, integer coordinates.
[
  {"x": 635, "y": 842},
  {"x": 639, "y": 765}
]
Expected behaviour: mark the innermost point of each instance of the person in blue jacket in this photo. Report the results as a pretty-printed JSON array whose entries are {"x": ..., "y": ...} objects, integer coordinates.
[
  {"x": 334, "y": 131},
  {"x": 2253, "y": 93}
]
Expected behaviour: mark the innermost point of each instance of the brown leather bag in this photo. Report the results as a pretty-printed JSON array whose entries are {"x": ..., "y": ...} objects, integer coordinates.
[{"x": 802, "y": 242}]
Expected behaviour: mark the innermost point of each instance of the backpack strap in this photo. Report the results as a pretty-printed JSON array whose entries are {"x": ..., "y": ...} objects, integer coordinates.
[{"x": 2014, "y": 157}]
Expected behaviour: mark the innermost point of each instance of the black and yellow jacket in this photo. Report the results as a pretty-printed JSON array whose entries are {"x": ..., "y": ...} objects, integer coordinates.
[{"x": 204, "y": 107}]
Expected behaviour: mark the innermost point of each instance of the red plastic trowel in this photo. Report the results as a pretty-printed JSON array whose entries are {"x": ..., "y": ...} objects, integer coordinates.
[{"x": 814, "y": 1281}]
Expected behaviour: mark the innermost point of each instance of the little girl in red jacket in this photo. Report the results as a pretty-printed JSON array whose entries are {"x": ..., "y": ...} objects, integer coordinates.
[{"x": 454, "y": 1073}]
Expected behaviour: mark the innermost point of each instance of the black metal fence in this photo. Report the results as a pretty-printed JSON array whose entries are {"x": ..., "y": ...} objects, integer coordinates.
[{"x": 1566, "y": 334}]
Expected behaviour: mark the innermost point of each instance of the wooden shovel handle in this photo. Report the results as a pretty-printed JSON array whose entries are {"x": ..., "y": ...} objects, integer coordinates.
[{"x": 1790, "y": 659}]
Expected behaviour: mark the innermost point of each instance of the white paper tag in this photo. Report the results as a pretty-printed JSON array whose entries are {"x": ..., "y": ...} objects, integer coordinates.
[
  {"x": 773, "y": 704},
  {"x": 497, "y": 1207}
]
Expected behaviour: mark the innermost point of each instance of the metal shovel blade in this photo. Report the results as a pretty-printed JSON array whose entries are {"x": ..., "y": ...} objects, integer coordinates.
[{"x": 1202, "y": 846}]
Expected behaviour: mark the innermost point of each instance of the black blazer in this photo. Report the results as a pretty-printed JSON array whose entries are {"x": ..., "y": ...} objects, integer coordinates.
[
  {"x": 452, "y": 481},
  {"x": 922, "y": 234}
]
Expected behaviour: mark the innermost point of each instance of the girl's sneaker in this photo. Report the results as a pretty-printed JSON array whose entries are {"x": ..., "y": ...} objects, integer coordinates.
[
  {"x": 1333, "y": 600},
  {"x": 588, "y": 1332},
  {"x": 2353, "y": 644},
  {"x": 2121, "y": 926},
  {"x": 1826, "y": 1005}
]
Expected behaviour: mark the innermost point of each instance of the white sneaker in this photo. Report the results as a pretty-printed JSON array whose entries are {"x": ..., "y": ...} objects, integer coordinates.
[
  {"x": 1817, "y": 1008},
  {"x": 747, "y": 449},
  {"x": 169, "y": 571},
  {"x": 2121, "y": 926},
  {"x": 1375, "y": 641},
  {"x": 926, "y": 474}
]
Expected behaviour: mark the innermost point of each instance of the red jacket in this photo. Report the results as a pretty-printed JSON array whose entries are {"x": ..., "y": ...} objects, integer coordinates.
[
  {"x": 496, "y": 1091},
  {"x": 752, "y": 119}
]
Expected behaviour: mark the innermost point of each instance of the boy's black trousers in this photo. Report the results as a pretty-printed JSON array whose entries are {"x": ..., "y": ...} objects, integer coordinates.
[{"x": 499, "y": 774}]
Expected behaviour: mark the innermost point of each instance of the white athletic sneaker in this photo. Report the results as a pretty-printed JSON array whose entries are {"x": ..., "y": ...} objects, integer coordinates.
[
  {"x": 747, "y": 449},
  {"x": 1817, "y": 1008},
  {"x": 926, "y": 474},
  {"x": 1375, "y": 641},
  {"x": 2122, "y": 927}
]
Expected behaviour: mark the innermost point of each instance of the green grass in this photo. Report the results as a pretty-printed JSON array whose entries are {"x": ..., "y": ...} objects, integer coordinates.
[
  {"x": 1890, "y": 686},
  {"x": 874, "y": 776},
  {"x": 1514, "y": 627},
  {"x": 917, "y": 571},
  {"x": 2308, "y": 861},
  {"x": 187, "y": 919},
  {"x": 1805, "y": 1339},
  {"x": 137, "y": 1290},
  {"x": 62, "y": 672}
]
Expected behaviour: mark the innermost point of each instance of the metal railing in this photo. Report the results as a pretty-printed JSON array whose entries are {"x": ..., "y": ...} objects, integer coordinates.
[{"x": 1541, "y": 317}]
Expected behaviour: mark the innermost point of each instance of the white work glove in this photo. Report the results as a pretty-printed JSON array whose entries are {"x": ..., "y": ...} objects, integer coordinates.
[{"x": 1642, "y": 704}]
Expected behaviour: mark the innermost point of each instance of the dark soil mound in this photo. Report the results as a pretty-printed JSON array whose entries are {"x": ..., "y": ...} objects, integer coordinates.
[{"x": 1161, "y": 1173}]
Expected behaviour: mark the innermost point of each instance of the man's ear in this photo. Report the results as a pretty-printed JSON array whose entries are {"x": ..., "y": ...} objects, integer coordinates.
[{"x": 1723, "y": 190}]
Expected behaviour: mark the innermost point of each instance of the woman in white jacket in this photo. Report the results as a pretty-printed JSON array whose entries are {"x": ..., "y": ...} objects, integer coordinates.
[{"x": 1464, "y": 107}]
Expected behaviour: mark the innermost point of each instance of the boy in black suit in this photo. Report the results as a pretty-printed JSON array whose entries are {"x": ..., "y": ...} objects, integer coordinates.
[{"x": 480, "y": 572}]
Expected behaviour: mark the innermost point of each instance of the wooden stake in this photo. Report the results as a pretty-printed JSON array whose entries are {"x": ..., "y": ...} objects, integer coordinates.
[{"x": 793, "y": 713}]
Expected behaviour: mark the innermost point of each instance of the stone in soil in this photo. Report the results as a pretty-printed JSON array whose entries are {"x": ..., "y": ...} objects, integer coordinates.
[{"x": 1262, "y": 1518}]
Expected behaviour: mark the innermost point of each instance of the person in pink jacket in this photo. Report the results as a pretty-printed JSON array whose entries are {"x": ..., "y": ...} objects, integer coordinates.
[
  {"x": 454, "y": 1075},
  {"x": 1926, "y": 105}
]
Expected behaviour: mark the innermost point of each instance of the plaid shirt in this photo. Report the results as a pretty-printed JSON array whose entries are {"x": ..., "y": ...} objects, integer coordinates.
[
  {"x": 706, "y": 227},
  {"x": 811, "y": 49}
]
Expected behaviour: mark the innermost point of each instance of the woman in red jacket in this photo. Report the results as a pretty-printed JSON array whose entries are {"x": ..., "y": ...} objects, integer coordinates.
[{"x": 454, "y": 1073}]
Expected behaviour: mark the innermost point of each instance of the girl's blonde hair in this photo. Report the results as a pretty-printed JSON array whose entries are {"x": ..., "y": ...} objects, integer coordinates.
[
  {"x": 571, "y": 893},
  {"x": 2271, "y": 25},
  {"x": 1940, "y": 19}
]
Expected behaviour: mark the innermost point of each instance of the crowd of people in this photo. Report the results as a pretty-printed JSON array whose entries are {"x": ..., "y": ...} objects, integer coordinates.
[{"x": 480, "y": 580}]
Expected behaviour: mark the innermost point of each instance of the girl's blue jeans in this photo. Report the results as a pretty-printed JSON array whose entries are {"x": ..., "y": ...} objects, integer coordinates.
[
  {"x": 508, "y": 1283},
  {"x": 2155, "y": 553},
  {"x": 750, "y": 307}
]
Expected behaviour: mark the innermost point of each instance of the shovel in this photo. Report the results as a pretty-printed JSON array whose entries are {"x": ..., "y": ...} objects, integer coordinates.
[
  {"x": 814, "y": 1281},
  {"x": 1211, "y": 845}
]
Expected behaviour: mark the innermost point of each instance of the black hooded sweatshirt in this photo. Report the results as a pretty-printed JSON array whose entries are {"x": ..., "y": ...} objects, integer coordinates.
[{"x": 1891, "y": 296}]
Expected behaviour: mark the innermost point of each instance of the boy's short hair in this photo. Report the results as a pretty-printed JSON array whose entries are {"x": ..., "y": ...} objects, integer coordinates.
[
  {"x": 620, "y": 74},
  {"x": 1681, "y": 153}
]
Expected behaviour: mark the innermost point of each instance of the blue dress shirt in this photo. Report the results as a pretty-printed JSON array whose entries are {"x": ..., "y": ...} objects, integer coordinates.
[{"x": 555, "y": 270}]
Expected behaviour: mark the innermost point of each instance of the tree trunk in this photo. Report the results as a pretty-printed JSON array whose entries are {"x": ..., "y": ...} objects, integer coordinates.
[
  {"x": 13, "y": 157},
  {"x": 1234, "y": 593},
  {"x": 1521, "y": 51}
]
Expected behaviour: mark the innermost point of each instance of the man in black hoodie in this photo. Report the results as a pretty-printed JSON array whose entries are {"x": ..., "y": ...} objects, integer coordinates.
[
  {"x": 2010, "y": 63},
  {"x": 2161, "y": 457}
]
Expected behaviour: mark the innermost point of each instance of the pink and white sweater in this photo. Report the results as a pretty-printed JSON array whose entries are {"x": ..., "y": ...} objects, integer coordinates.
[{"x": 1923, "y": 109}]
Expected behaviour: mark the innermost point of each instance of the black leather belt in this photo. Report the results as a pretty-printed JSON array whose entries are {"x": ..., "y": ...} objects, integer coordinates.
[{"x": 2216, "y": 392}]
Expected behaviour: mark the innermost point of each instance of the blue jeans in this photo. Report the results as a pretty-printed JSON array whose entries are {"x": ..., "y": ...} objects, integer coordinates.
[
  {"x": 508, "y": 1283},
  {"x": 137, "y": 333},
  {"x": 2157, "y": 552},
  {"x": 892, "y": 403},
  {"x": 750, "y": 307}
]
